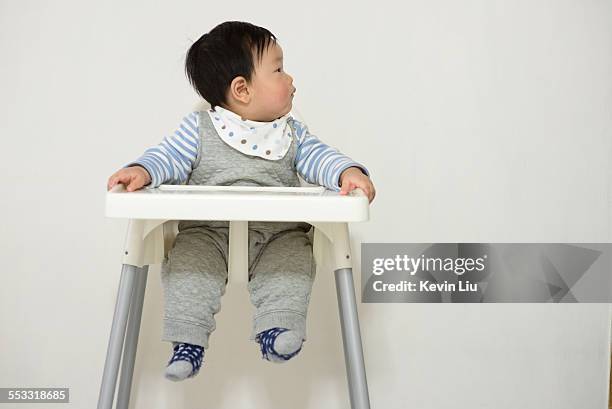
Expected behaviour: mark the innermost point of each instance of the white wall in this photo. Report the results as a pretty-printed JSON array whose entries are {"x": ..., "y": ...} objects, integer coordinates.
[{"x": 481, "y": 121}]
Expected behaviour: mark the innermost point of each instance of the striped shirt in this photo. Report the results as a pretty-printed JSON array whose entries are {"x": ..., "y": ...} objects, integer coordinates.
[{"x": 171, "y": 162}]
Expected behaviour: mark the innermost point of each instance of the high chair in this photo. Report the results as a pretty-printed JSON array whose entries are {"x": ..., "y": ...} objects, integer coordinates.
[{"x": 153, "y": 219}]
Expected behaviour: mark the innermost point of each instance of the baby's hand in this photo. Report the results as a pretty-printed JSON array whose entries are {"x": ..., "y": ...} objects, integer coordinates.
[
  {"x": 352, "y": 178},
  {"x": 133, "y": 178}
]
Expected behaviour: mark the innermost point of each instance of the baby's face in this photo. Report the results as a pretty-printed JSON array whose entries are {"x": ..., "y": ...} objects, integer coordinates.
[{"x": 272, "y": 87}]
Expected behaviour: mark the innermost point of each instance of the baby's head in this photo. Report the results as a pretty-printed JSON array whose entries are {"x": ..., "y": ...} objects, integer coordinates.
[{"x": 239, "y": 66}]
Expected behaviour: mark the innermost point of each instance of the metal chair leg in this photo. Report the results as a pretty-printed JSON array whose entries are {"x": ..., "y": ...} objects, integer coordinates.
[
  {"x": 131, "y": 339},
  {"x": 117, "y": 336},
  {"x": 351, "y": 338}
]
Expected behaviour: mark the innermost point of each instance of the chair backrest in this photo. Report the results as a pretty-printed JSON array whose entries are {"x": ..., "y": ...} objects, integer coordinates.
[{"x": 201, "y": 105}]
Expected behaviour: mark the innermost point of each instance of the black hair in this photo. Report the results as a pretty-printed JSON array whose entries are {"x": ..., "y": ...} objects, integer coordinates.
[{"x": 223, "y": 54}]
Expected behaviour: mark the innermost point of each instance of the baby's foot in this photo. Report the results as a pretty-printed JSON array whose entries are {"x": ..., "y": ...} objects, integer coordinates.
[
  {"x": 185, "y": 362},
  {"x": 279, "y": 344}
]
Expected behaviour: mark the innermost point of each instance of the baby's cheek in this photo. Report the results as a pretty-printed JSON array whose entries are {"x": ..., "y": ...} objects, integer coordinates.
[{"x": 281, "y": 97}]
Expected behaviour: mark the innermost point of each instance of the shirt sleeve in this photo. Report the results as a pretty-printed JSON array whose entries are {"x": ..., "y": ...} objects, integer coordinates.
[
  {"x": 318, "y": 163},
  {"x": 172, "y": 160}
]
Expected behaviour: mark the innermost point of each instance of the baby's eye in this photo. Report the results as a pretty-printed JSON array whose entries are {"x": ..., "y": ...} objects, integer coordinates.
[{"x": 279, "y": 70}]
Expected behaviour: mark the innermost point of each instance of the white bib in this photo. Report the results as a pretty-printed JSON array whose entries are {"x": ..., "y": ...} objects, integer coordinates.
[{"x": 267, "y": 140}]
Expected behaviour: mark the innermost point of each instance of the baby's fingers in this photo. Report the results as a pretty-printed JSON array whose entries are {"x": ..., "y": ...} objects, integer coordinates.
[
  {"x": 119, "y": 178},
  {"x": 112, "y": 181},
  {"x": 133, "y": 182},
  {"x": 346, "y": 187}
]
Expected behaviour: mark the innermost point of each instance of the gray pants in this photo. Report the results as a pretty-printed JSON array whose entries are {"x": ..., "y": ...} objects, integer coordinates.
[{"x": 194, "y": 277}]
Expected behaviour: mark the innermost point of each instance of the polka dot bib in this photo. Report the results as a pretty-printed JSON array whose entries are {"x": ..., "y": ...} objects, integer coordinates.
[{"x": 268, "y": 140}]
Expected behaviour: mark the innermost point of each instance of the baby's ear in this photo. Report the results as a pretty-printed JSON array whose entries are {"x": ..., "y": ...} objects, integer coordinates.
[{"x": 239, "y": 90}]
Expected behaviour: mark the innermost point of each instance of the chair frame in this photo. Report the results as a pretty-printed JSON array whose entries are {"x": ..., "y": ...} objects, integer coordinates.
[{"x": 148, "y": 242}]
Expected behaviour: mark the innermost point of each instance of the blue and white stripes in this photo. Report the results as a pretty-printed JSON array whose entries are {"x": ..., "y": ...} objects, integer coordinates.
[
  {"x": 171, "y": 162},
  {"x": 318, "y": 163}
]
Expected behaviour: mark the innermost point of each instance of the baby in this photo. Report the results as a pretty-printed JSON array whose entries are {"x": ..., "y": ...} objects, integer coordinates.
[{"x": 248, "y": 138}]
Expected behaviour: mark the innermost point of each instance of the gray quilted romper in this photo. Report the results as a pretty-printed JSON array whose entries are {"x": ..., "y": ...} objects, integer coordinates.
[{"x": 281, "y": 262}]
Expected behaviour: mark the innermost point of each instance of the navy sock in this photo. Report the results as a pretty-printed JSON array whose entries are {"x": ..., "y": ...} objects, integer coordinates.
[
  {"x": 279, "y": 344},
  {"x": 185, "y": 362}
]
